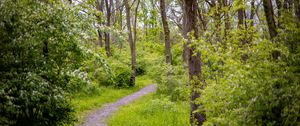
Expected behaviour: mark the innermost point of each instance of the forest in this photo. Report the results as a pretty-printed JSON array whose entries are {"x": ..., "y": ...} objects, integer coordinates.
[{"x": 149, "y": 62}]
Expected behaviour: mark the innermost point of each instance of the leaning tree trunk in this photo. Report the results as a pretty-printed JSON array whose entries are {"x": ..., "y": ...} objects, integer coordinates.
[
  {"x": 131, "y": 43},
  {"x": 269, "y": 13},
  {"x": 166, "y": 31},
  {"x": 194, "y": 61}
]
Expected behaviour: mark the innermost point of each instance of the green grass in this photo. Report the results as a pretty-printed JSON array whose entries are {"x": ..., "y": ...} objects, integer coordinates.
[
  {"x": 152, "y": 111},
  {"x": 84, "y": 104}
]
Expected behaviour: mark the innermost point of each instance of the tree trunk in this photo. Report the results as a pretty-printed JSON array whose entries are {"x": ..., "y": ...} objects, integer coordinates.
[
  {"x": 106, "y": 34},
  {"x": 131, "y": 43},
  {"x": 269, "y": 13},
  {"x": 217, "y": 18},
  {"x": 45, "y": 49},
  {"x": 166, "y": 31},
  {"x": 298, "y": 9},
  {"x": 99, "y": 7},
  {"x": 252, "y": 12},
  {"x": 226, "y": 20},
  {"x": 185, "y": 48},
  {"x": 190, "y": 7},
  {"x": 120, "y": 9},
  {"x": 99, "y": 38},
  {"x": 112, "y": 11},
  {"x": 240, "y": 18},
  {"x": 279, "y": 9},
  {"x": 135, "y": 22}
]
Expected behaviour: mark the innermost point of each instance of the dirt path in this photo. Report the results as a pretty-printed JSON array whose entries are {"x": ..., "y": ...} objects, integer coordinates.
[{"x": 98, "y": 117}]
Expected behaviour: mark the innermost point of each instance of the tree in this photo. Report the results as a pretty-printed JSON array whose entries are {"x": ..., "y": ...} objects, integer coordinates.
[
  {"x": 166, "y": 32},
  {"x": 40, "y": 45},
  {"x": 132, "y": 41},
  {"x": 106, "y": 34},
  {"x": 194, "y": 61},
  {"x": 120, "y": 16},
  {"x": 269, "y": 13},
  {"x": 99, "y": 7}
]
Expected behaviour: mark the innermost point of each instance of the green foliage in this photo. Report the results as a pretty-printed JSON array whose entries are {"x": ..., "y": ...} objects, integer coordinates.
[
  {"x": 27, "y": 100},
  {"x": 123, "y": 77},
  {"x": 141, "y": 67},
  {"x": 152, "y": 111},
  {"x": 249, "y": 86},
  {"x": 41, "y": 52},
  {"x": 119, "y": 75},
  {"x": 171, "y": 81},
  {"x": 177, "y": 54}
]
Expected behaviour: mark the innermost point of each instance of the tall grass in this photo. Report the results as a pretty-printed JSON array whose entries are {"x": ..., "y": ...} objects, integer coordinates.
[{"x": 152, "y": 111}]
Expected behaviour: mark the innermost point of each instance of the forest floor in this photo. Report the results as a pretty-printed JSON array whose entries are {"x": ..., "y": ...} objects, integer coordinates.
[{"x": 99, "y": 116}]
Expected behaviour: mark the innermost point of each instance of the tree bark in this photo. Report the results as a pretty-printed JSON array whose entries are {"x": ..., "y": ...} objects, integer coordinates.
[
  {"x": 217, "y": 18},
  {"x": 99, "y": 7},
  {"x": 269, "y": 13},
  {"x": 99, "y": 39},
  {"x": 135, "y": 22},
  {"x": 252, "y": 12},
  {"x": 120, "y": 9},
  {"x": 194, "y": 61},
  {"x": 279, "y": 9},
  {"x": 106, "y": 34},
  {"x": 131, "y": 43},
  {"x": 298, "y": 9},
  {"x": 185, "y": 48},
  {"x": 45, "y": 49},
  {"x": 226, "y": 20},
  {"x": 166, "y": 32},
  {"x": 112, "y": 11},
  {"x": 240, "y": 18}
]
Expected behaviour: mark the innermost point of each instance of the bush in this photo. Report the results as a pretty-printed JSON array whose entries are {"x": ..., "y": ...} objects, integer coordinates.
[
  {"x": 29, "y": 102},
  {"x": 77, "y": 81},
  {"x": 119, "y": 77},
  {"x": 259, "y": 90},
  {"x": 38, "y": 53},
  {"x": 123, "y": 79},
  {"x": 141, "y": 68},
  {"x": 171, "y": 82}
]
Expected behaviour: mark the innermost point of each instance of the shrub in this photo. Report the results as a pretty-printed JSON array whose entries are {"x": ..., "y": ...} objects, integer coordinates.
[
  {"x": 259, "y": 90},
  {"x": 171, "y": 81},
  {"x": 123, "y": 79},
  {"x": 119, "y": 77},
  {"x": 141, "y": 68},
  {"x": 38, "y": 50},
  {"x": 26, "y": 100}
]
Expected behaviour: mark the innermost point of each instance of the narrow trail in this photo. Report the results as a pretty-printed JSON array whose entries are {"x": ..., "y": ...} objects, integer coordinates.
[{"x": 98, "y": 117}]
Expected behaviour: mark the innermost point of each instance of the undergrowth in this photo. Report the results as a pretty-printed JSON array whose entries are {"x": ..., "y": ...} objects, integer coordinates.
[{"x": 151, "y": 110}]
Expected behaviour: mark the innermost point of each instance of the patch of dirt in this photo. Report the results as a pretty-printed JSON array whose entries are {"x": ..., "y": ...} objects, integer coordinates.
[{"x": 98, "y": 117}]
